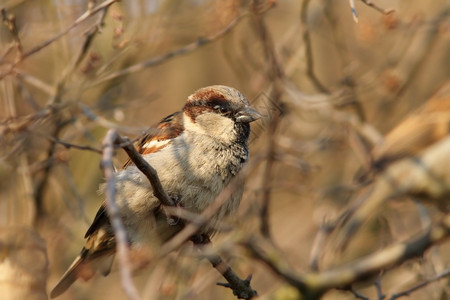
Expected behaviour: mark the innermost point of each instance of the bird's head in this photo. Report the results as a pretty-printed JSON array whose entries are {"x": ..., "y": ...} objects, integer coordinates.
[{"x": 220, "y": 112}]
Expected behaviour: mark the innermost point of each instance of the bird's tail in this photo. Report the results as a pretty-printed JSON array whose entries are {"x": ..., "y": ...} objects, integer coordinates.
[
  {"x": 68, "y": 278},
  {"x": 82, "y": 267}
]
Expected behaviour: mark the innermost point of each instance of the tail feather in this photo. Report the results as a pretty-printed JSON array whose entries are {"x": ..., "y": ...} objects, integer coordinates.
[
  {"x": 68, "y": 278},
  {"x": 83, "y": 267}
]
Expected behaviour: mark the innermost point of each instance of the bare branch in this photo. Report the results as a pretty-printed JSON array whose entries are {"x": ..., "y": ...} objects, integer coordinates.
[
  {"x": 69, "y": 145},
  {"x": 315, "y": 284},
  {"x": 81, "y": 19},
  {"x": 164, "y": 57},
  {"x": 357, "y": 295},
  {"x": 114, "y": 215},
  {"x": 276, "y": 74},
  {"x": 191, "y": 229},
  {"x": 368, "y": 3},
  {"x": 420, "y": 285},
  {"x": 308, "y": 49},
  {"x": 145, "y": 168},
  {"x": 241, "y": 287},
  {"x": 10, "y": 23},
  {"x": 56, "y": 98}
]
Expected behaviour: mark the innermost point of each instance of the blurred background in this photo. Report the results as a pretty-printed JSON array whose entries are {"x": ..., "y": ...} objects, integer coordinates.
[{"x": 328, "y": 86}]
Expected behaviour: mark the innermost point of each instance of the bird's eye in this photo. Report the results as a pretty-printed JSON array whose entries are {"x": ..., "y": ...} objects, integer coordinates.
[{"x": 222, "y": 109}]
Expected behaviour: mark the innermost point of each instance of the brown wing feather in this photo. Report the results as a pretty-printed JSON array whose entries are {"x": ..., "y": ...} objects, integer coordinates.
[
  {"x": 101, "y": 219},
  {"x": 157, "y": 137},
  {"x": 100, "y": 236}
]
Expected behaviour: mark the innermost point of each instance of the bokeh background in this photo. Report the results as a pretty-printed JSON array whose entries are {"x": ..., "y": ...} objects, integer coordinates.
[{"x": 329, "y": 88}]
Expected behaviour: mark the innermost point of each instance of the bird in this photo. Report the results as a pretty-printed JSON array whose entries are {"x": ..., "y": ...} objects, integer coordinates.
[{"x": 196, "y": 152}]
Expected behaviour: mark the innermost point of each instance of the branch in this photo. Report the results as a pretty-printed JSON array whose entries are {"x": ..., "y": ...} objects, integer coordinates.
[
  {"x": 145, "y": 168},
  {"x": 162, "y": 58},
  {"x": 77, "y": 22},
  {"x": 314, "y": 284},
  {"x": 368, "y": 3},
  {"x": 10, "y": 23},
  {"x": 276, "y": 74},
  {"x": 420, "y": 285},
  {"x": 56, "y": 98},
  {"x": 114, "y": 215},
  {"x": 241, "y": 287},
  {"x": 75, "y": 146},
  {"x": 191, "y": 228},
  {"x": 308, "y": 49}
]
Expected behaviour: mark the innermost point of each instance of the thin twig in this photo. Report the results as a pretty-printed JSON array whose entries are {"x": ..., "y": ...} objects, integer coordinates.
[
  {"x": 56, "y": 98},
  {"x": 354, "y": 13},
  {"x": 315, "y": 284},
  {"x": 81, "y": 19},
  {"x": 162, "y": 58},
  {"x": 276, "y": 74},
  {"x": 114, "y": 215},
  {"x": 70, "y": 145},
  {"x": 145, "y": 168},
  {"x": 378, "y": 287},
  {"x": 36, "y": 82},
  {"x": 308, "y": 49},
  {"x": 10, "y": 23},
  {"x": 376, "y": 7},
  {"x": 241, "y": 287},
  {"x": 420, "y": 285},
  {"x": 190, "y": 229},
  {"x": 41, "y": 185},
  {"x": 90, "y": 114},
  {"x": 413, "y": 60},
  {"x": 358, "y": 295},
  {"x": 368, "y": 3}
]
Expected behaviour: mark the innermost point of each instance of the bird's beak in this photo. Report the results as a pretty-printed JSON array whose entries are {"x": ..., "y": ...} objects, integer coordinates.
[{"x": 247, "y": 115}]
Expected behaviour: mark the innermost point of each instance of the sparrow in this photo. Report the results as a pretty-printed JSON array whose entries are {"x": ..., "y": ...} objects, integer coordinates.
[{"x": 196, "y": 153}]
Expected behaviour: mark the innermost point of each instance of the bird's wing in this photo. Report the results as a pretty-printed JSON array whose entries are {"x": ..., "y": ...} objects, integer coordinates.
[
  {"x": 159, "y": 136},
  {"x": 100, "y": 235}
]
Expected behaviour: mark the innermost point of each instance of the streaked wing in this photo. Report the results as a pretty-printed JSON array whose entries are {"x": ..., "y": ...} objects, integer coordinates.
[
  {"x": 159, "y": 136},
  {"x": 100, "y": 236}
]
